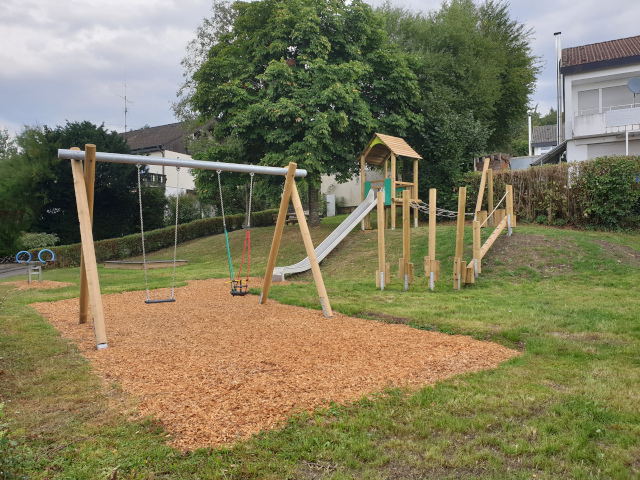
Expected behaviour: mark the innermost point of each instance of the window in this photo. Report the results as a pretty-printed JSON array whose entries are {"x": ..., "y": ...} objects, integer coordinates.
[
  {"x": 614, "y": 98},
  {"x": 588, "y": 102}
]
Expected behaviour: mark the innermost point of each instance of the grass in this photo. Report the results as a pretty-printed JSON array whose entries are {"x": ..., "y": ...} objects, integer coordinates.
[{"x": 569, "y": 407}]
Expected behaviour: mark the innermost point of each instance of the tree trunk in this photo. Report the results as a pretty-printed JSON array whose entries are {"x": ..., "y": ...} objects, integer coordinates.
[{"x": 314, "y": 194}]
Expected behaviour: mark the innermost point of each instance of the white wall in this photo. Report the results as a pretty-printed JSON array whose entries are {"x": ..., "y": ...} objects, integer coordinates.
[
  {"x": 186, "y": 177},
  {"x": 347, "y": 194}
]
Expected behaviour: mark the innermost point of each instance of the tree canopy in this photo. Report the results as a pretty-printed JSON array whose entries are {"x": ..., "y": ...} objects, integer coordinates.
[
  {"x": 38, "y": 193},
  {"x": 305, "y": 81},
  {"x": 309, "y": 81}
]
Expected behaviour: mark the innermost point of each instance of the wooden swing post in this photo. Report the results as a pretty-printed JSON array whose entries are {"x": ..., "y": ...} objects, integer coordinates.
[
  {"x": 291, "y": 193},
  {"x": 89, "y": 254},
  {"x": 89, "y": 180}
]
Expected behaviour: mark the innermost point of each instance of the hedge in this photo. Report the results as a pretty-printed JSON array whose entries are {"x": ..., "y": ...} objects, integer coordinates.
[
  {"x": 131, "y": 245},
  {"x": 601, "y": 193}
]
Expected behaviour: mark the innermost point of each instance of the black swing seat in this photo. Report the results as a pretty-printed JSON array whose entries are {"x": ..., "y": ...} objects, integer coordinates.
[
  {"x": 163, "y": 300},
  {"x": 239, "y": 289}
]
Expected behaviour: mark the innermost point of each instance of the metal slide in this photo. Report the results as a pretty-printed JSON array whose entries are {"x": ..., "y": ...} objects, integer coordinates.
[{"x": 332, "y": 240}]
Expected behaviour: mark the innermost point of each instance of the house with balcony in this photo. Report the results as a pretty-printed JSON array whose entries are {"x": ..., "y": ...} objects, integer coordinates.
[
  {"x": 602, "y": 114},
  {"x": 163, "y": 141}
]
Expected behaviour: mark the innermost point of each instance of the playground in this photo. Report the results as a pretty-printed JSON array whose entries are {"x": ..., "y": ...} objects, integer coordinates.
[
  {"x": 531, "y": 369},
  {"x": 225, "y": 368}
]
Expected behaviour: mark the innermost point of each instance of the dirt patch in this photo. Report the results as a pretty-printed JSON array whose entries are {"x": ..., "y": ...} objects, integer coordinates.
[
  {"x": 533, "y": 251},
  {"x": 622, "y": 253},
  {"x": 214, "y": 369},
  {"x": 44, "y": 285}
]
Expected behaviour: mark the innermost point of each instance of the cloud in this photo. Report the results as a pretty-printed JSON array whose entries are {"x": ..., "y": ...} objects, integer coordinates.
[{"x": 67, "y": 60}]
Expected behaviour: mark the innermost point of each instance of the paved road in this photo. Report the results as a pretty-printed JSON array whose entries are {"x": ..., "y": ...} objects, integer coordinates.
[{"x": 13, "y": 270}]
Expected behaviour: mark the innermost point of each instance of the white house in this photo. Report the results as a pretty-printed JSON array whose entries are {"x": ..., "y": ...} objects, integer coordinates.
[
  {"x": 602, "y": 114},
  {"x": 163, "y": 141},
  {"x": 543, "y": 139}
]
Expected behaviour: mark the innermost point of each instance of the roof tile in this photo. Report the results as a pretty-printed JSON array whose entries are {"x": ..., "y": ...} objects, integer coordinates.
[{"x": 599, "y": 52}]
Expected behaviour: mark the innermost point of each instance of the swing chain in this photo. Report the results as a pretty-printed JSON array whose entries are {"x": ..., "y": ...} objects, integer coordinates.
[
  {"x": 144, "y": 256},
  {"x": 224, "y": 224},
  {"x": 175, "y": 240},
  {"x": 250, "y": 197}
]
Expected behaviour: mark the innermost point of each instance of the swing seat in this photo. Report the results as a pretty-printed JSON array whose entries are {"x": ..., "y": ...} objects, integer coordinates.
[
  {"x": 163, "y": 300},
  {"x": 239, "y": 289}
]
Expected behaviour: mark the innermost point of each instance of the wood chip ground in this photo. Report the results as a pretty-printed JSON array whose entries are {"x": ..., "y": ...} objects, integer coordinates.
[{"x": 214, "y": 368}]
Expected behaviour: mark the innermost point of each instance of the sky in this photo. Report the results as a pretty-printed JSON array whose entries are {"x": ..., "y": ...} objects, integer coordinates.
[{"x": 74, "y": 60}]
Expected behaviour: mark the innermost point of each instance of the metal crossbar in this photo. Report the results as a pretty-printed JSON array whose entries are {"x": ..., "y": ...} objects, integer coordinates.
[{"x": 440, "y": 212}]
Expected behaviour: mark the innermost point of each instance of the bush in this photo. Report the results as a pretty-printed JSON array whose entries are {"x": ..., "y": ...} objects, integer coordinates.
[
  {"x": 30, "y": 241},
  {"x": 131, "y": 245},
  {"x": 610, "y": 191},
  {"x": 600, "y": 193}
]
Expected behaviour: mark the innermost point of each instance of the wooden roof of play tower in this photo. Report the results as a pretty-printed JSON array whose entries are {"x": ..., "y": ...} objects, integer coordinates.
[{"x": 382, "y": 146}]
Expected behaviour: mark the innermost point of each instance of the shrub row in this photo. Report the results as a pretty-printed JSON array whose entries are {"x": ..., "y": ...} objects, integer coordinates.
[
  {"x": 131, "y": 245},
  {"x": 600, "y": 193}
]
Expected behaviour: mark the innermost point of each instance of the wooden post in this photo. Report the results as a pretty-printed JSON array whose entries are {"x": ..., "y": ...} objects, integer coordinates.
[
  {"x": 311, "y": 252},
  {"x": 415, "y": 192},
  {"x": 387, "y": 219},
  {"x": 89, "y": 181},
  {"x": 457, "y": 261},
  {"x": 381, "y": 277},
  {"x": 477, "y": 245},
  {"x": 490, "y": 195},
  {"x": 483, "y": 180},
  {"x": 366, "y": 221},
  {"x": 432, "y": 223},
  {"x": 510, "y": 218},
  {"x": 89, "y": 253},
  {"x": 277, "y": 234},
  {"x": 431, "y": 265},
  {"x": 405, "y": 266},
  {"x": 393, "y": 191}
]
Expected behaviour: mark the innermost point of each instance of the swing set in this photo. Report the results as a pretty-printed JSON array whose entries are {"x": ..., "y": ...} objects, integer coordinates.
[
  {"x": 83, "y": 182},
  {"x": 238, "y": 287}
]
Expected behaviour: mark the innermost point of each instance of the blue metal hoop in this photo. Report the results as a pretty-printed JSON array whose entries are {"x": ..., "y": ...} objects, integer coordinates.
[
  {"x": 53, "y": 256},
  {"x": 18, "y": 257}
]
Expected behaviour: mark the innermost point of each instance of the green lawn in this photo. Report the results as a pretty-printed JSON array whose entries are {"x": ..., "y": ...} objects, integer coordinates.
[{"x": 569, "y": 407}]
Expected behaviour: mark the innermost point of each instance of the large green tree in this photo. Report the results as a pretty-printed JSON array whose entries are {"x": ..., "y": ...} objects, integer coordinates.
[
  {"x": 305, "y": 81},
  {"x": 41, "y": 193},
  {"x": 476, "y": 72}
]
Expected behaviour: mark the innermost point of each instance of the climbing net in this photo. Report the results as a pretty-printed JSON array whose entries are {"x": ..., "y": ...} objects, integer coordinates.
[{"x": 440, "y": 212}]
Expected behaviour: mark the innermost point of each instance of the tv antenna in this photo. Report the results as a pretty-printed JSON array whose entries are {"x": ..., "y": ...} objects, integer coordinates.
[{"x": 126, "y": 109}]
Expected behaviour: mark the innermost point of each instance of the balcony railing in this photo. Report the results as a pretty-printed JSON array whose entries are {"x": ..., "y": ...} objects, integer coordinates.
[
  {"x": 153, "y": 179},
  {"x": 614, "y": 119},
  {"x": 593, "y": 111}
]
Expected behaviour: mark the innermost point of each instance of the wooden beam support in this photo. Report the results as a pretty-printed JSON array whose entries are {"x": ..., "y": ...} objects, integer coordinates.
[
  {"x": 393, "y": 191},
  {"x": 277, "y": 234},
  {"x": 458, "y": 270},
  {"x": 89, "y": 253},
  {"x": 511, "y": 220},
  {"x": 89, "y": 181},
  {"x": 477, "y": 246},
  {"x": 311, "y": 253},
  {"x": 432, "y": 223},
  {"x": 490, "y": 195},
  {"x": 492, "y": 238},
  {"x": 483, "y": 181},
  {"x": 415, "y": 192},
  {"x": 381, "y": 278}
]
